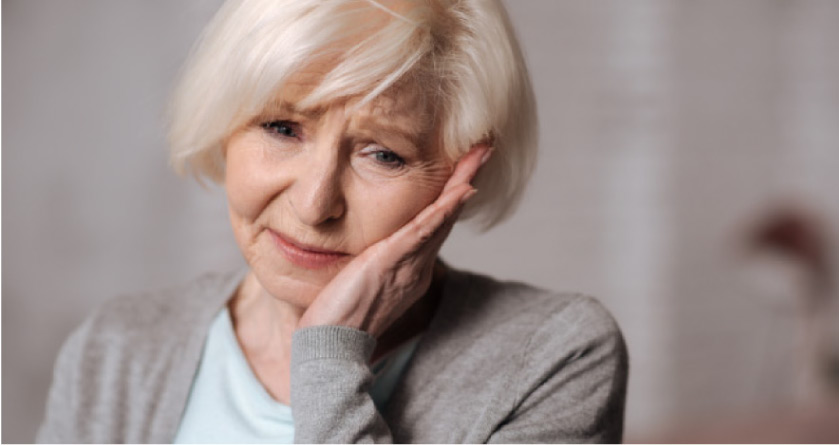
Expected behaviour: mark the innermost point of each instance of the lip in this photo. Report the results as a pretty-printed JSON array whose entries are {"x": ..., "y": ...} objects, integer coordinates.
[{"x": 302, "y": 255}]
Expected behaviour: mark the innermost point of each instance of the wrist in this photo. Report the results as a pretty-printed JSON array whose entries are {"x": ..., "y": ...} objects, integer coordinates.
[{"x": 330, "y": 341}]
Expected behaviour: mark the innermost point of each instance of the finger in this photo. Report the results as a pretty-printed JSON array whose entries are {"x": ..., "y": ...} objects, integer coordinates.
[
  {"x": 468, "y": 165},
  {"x": 422, "y": 228},
  {"x": 428, "y": 221},
  {"x": 435, "y": 242}
]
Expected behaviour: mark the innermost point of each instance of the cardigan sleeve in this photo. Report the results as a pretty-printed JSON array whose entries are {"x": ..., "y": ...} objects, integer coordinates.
[
  {"x": 330, "y": 380},
  {"x": 59, "y": 425},
  {"x": 573, "y": 384}
]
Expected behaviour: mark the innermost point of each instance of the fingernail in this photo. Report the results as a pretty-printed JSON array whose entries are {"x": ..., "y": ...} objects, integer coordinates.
[
  {"x": 486, "y": 155},
  {"x": 468, "y": 195}
]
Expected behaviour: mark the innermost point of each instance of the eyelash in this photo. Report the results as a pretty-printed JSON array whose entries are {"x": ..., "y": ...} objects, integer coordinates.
[
  {"x": 288, "y": 129},
  {"x": 397, "y": 163},
  {"x": 274, "y": 127}
]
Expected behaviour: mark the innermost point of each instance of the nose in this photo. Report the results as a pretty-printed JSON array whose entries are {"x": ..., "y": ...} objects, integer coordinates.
[{"x": 317, "y": 196}]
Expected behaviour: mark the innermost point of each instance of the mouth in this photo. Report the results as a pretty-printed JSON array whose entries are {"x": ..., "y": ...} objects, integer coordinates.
[{"x": 309, "y": 257}]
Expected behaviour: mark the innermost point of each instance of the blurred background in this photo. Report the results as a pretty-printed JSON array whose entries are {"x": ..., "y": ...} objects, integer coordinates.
[{"x": 688, "y": 178}]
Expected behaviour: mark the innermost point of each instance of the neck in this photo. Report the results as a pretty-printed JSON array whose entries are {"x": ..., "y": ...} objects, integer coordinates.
[{"x": 264, "y": 326}]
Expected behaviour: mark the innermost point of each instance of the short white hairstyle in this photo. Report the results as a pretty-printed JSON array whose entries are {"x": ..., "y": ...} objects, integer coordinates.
[{"x": 464, "y": 51}]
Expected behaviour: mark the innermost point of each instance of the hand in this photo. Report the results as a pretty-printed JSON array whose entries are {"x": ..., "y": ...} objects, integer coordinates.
[{"x": 381, "y": 283}]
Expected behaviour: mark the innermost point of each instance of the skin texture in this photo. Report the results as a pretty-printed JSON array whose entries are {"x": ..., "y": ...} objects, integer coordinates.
[{"x": 326, "y": 177}]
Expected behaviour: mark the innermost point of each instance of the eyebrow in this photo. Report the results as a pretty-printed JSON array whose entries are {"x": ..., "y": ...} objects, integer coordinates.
[
  {"x": 377, "y": 126},
  {"x": 275, "y": 107}
]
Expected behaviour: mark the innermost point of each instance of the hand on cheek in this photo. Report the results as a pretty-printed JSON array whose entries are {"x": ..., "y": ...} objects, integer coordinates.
[{"x": 376, "y": 287}]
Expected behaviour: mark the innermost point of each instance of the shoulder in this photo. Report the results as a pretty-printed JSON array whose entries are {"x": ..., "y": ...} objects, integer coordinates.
[
  {"x": 163, "y": 312},
  {"x": 129, "y": 342},
  {"x": 153, "y": 319},
  {"x": 539, "y": 315},
  {"x": 142, "y": 328},
  {"x": 561, "y": 358},
  {"x": 532, "y": 365},
  {"x": 537, "y": 332}
]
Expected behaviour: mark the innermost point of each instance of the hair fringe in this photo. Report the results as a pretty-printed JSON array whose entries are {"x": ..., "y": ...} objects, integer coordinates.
[{"x": 464, "y": 53}]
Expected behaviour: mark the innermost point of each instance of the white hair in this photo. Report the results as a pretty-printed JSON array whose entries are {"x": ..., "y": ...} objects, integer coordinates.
[{"x": 464, "y": 51}]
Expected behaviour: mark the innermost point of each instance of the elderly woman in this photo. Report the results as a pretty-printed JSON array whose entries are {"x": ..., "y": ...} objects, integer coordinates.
[{"x": 350, "y": 136}]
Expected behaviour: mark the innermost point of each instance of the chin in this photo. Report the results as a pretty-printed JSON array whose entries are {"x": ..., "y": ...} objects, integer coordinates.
[{"x": 297, "y": 289}]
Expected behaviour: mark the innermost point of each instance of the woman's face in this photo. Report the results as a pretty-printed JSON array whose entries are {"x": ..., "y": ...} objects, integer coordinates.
[{"x": 308, "y": 190}]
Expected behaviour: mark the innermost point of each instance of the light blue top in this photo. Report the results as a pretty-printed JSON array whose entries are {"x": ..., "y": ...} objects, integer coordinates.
[{"x": 228, "y": 404}]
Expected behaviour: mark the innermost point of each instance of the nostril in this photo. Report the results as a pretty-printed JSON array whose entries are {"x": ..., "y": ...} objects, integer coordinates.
[{"x": 318, "y": 204}]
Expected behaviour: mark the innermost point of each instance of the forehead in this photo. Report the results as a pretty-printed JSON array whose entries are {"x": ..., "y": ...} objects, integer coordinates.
[{"x": 405, "y": 99}]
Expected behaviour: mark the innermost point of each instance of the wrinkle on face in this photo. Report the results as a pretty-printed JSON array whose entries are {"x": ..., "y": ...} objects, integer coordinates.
[{"x": 291, "y": 186}]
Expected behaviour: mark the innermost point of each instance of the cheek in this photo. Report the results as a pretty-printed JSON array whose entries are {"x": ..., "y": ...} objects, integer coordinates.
[
  {"x": 388, "y": 204},
  {"x": 244, "y": 199},
  {"x": 247, "y": 182},
  {"x": 386, "y": 209}
]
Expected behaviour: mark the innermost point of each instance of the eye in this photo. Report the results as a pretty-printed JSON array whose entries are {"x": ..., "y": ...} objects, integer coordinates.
[
  {"x": 388, "y": 157},
  {"x": 282, "y": 128},
  {"x": 385, "y": 157}
]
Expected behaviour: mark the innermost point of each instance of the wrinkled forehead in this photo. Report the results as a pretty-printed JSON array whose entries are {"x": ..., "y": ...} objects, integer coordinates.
[{"x": 405, "y": 100}]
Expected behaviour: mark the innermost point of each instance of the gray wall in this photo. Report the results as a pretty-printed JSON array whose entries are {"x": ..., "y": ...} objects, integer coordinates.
[{"x": 667, "y": 128}]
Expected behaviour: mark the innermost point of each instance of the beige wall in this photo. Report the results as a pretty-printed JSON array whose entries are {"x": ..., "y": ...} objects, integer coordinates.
[{"x": 666, "y": 128}]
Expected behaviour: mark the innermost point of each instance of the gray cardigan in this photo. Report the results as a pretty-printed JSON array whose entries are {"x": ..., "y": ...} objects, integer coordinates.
[{"x": 501, "y": 362}]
